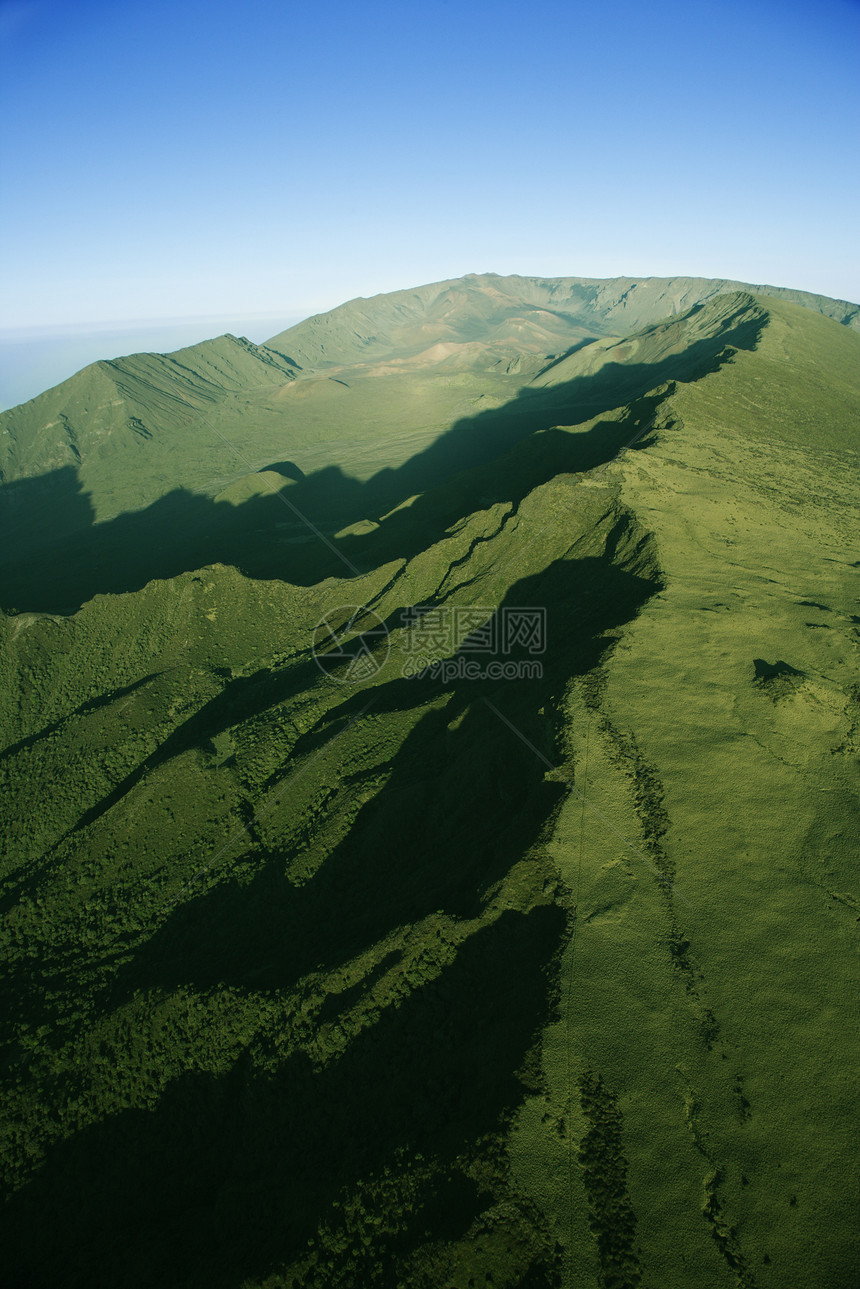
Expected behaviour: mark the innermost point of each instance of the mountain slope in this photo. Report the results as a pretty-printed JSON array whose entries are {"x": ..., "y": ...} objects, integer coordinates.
[
  {"x": 518, "y": 312},
  {"x": 326, "y": 975},
  {"x": 310, "y": 516},
  {"x": 119, "y": 435},
  {"x": 115, "y": 435},
  {"x": 130, "y": 398},
  {"x": 721, "y": 739}
]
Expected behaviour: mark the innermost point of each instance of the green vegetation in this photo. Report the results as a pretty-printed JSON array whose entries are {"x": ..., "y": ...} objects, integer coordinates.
[{"x": 546, "y": 981}]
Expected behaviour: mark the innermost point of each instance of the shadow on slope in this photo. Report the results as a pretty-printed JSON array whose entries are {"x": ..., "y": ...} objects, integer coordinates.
[
  {"x": 738, "y": 325},
  {"x": 32, "y": 510},
  {"x": 458, "y": 830},
  {"x": 482, "y": 460},
  {"x": 231, "y": 1176}
]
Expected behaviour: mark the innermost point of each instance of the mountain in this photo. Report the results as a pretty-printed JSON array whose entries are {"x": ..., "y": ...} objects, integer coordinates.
[
  {"x": 120, "y": 435},
  {"x": 510, "y": 314},
  {"x": 510, "y": 942}
]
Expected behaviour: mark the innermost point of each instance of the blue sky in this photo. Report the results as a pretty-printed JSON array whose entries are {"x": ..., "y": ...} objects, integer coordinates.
[{"x": 163, "y": 160}]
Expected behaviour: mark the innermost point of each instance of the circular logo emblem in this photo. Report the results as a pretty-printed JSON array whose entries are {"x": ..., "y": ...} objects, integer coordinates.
[{"x": 350, "y": 644}]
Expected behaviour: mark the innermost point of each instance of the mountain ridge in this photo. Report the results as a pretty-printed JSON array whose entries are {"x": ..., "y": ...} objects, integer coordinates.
[
  {"x": 585, "y": 303},
  {"x": 572, "y": 391},
  {"x": 145, "y": 405},
  {"x": 540, "y": 976}
]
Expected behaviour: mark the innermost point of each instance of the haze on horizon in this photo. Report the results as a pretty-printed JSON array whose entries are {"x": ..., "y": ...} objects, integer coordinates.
[{"x": 190, "y": 161}]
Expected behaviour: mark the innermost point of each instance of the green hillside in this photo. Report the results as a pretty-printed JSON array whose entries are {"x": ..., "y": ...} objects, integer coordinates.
[
  {"x": 359, "y": 389},
  {"x": 516, "y": 313},
  {"x": 331, "y": 974}
]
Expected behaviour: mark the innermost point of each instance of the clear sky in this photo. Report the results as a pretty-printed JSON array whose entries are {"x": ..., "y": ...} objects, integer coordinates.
[{"x": 199, "y": 157}]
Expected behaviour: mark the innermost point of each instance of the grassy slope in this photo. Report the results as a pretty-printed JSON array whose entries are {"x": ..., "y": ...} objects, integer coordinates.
[
  {"x": 120, "y": 435},
  {"x": 368, "y": 463},
  {"x": 130, "y": 400},
  {"x": 514, "y": 310},
  {"x": 352, "y": 926},
  {"x": 721, "y": 1018},
  {"x": 322, "y": 1057}
]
